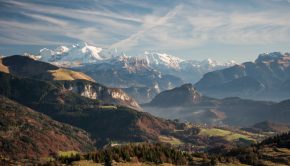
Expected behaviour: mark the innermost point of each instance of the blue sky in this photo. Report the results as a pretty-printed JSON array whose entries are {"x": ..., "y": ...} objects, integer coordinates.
[{"x": 191, "y": 29}]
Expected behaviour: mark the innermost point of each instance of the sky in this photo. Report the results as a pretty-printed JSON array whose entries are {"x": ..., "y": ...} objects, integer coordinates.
[{"x": 190, "y": 29}]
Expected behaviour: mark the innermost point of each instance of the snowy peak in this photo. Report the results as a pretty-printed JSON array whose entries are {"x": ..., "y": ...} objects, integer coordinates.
[
  {"x": 213, "y": 63},
  {"x": 132, "y": 64},
  {"x": 61, "y": 49},
  {"x": 77, "y": 54},
  {"x": 209, "y": 62},
  {"x": 230, "y": 63},
  {"x": 89, "y": 53},
  {"x": 162, "y": 59}
]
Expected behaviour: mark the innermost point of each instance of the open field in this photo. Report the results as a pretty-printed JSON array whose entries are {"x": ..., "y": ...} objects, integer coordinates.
[
  {"x": 67, "y": 153},
  {"x": 226, "y": 134},
  {"x": 170, "y": 140}
]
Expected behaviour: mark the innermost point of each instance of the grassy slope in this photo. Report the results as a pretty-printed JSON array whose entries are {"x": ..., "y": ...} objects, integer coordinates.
[
  {"x": 170, "y": 140},
  {"x": 64, "y": 74},
  {"x": 26, "y": 67}
]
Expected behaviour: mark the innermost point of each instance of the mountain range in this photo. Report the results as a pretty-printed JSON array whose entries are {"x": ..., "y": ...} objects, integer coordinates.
[
  {"x": 83, "y": 53},
  {"x": 142, "y": 76}
]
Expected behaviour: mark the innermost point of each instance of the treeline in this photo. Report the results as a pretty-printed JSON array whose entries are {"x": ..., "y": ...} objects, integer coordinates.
[
  {"x": 281, "y": 141},
  {"x": 142, "y": 152},
  {"x": 253, "y": 155},
  {"x": 246, "y": 155},
  {"x": 159, "y": 153},
  {"x": 156, "y": 153}
]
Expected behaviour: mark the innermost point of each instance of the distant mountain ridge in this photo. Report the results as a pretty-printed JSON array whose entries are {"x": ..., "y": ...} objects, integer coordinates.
[{"x": 267, "y": 78}]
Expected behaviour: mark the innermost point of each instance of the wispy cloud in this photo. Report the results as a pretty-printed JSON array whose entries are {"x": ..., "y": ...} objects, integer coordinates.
[
  {"x": 188, "y": 26},
  {"x": 80, "y": 24},
  {"x": 132, "y": 25}
]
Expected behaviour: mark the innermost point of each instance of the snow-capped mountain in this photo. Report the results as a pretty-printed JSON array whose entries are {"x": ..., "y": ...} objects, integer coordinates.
[
  {"x": 165, "y": 62},
  {"x": 77, "y": 54},
  {"x": 156, "y": 60},
  {"x": 131, "y": 64},
  {"x": 83, "y": 53},
  {"x": 188, "y": 70},
  {"x": 151, "y": 72}
]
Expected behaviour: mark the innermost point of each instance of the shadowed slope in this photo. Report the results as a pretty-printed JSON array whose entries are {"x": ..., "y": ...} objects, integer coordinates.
[{"x": 25, "y": 133}]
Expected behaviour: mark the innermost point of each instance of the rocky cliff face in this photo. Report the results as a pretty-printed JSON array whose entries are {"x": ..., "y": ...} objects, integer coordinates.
[
  {"x": 132, "y": 75},
  {"x": 96, "y": 91}
]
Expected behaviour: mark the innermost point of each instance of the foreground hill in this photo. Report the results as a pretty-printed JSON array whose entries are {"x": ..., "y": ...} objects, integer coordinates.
[
  {"x": 109, "y": 123},
  {"x": 95, "y": 108},
  {"x": 66, "y": 106},
  {"x": 267, "y": 78},
  {"x": 66, "y": 80},
  {"x": 186, "y": 103},
  {"x": 25, "y": 133}
]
